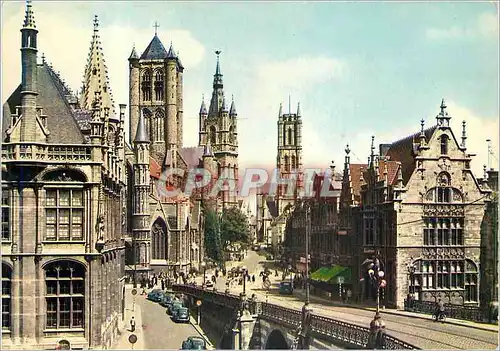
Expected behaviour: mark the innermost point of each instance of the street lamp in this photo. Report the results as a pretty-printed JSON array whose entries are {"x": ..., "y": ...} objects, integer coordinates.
[
  {"x": 244, "y": 269},
  {"x": 306, "y": 309},
  {"x": 204, "y": 266},
  {"x": 376, "y": 275}
]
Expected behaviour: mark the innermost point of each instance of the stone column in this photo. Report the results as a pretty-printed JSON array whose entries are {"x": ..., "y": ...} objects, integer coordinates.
[{"x": 246, "y": 324}]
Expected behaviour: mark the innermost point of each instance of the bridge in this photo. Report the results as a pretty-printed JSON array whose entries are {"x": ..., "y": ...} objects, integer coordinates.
[{"x": 270, "y": 326}]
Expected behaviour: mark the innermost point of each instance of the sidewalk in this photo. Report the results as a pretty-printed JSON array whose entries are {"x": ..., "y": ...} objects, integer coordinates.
[
  {"x": 460, "y": 322},
  {"x": 122, "y": 342}
]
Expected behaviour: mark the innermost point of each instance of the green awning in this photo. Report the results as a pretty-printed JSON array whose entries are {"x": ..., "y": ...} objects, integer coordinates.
[{"x": 330, "y": 274}]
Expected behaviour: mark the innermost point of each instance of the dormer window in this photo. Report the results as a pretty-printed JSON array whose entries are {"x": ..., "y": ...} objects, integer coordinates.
[{"x": 444, "y": 144}]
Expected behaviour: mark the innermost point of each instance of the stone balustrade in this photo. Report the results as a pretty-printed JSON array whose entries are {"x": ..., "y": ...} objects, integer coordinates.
[{"x": 19, "y": 152}]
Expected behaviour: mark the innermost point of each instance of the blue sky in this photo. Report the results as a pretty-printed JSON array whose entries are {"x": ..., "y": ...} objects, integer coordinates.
[{"x": 358, "y": 69}]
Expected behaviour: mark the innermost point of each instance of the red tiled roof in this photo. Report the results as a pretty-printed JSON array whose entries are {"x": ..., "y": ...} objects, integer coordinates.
[
  {"x": 154, "y": 168},
  {"x": 355, "y": 170},
  {"x": 392, "y": 170},
  {"x": 402, "y": 151}
]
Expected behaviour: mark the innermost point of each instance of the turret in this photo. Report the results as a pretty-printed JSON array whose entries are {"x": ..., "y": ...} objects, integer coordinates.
[
  {"x": 443, "y": 119},
  {"x": 171, "y": 100},
  {"x": 29, "y": 77},
  {"x": 232, "y": 110},
  {"x": 464, "y": 136},
  {"x": 180, "y": 102},
  {"x": 202, "y": 119},
  {"x": 134, "y": 91}
]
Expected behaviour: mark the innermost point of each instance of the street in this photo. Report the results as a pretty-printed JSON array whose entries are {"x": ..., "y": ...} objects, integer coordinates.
[{"x": 421, "y": 332}]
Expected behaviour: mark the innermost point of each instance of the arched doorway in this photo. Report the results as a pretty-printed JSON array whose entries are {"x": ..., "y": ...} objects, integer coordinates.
[{"x": 276, "y": 341}]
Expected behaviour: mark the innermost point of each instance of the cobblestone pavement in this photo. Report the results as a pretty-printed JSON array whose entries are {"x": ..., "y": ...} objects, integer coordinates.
[
  {"x": 418, "y": 330},
  {"x": 154, "y": 328}
]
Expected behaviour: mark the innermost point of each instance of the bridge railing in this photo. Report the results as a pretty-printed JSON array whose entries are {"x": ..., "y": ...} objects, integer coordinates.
[{"x": 322, "y": 326}]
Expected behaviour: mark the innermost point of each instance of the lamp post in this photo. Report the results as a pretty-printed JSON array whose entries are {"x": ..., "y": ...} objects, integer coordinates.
[
  {"x": 204, "y": 266},
  {"x": 376, "y": 274},
  {"x": 306, "y": 309}
]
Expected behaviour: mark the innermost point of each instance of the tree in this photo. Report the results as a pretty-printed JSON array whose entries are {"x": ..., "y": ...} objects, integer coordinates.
[
  {"x": 213, "y": 243},
  {"x": 234, "y": 226}
]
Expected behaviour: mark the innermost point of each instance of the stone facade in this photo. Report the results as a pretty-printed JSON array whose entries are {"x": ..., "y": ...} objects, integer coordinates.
[
  {"x": 62, "y": 209},
  {"x": 422, "y": 206}
]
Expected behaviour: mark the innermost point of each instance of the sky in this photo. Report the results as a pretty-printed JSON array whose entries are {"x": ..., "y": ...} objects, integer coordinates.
[{"x": 357, "y": 68}]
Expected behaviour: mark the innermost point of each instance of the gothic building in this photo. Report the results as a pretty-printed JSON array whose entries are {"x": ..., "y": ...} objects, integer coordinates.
[
  {"x": 218, "y": 135},
  {"x": 289, "y": 158},
  {"x": 62, "y": 197},
  {"x": 422, "y": 206}
]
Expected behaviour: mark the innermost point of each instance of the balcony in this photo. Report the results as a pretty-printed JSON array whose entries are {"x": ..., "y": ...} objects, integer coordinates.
[{"x": 29, "y": 152}]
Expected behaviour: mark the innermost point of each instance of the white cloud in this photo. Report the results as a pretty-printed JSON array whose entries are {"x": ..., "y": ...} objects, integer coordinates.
[
  {"x": 66, "y": 45},
  {"x": 486, "y": 25},
  {"x": 271, "y": 85}
]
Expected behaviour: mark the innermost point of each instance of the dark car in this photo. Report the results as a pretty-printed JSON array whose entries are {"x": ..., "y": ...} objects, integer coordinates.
[
  {"x": 286, "y": 288},
  {"x": 194, "y": 343},
  {"x": 174, "y": 306},
  {"x": 156, "y": 295},
  {"x": 181, "y": 315},
  {"x": 167, "y": 300}
]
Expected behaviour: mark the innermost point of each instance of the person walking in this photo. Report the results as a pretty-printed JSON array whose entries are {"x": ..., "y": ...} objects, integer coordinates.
[{"x": 132, "y": 325}]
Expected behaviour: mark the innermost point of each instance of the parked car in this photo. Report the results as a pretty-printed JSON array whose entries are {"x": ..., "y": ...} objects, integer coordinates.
[
  {"x": 194, "y": 343},
  {"x": 286, "y": 288},
  {"x": 175, "y": 305},
  {"x": 156, "y": 295},
  {"x": 181, "y": 315},
  {"x": 167, "y": 300}
]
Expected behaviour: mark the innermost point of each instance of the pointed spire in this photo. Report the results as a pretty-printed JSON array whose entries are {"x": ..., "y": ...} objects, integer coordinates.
[
  {"x": 171, "y": 52},
  {"x": 347, "y": 152},
  {"x": 443, "y": 119},
  {"x": 224, "y": 105},
  {"x": 422, "y": 132},
  {"x": 372, "y": 152},
  {"x": 207, "y": 150},
  {"x": 464, "y": 135},
  {"x": 29, "y": 18},
  {"x": 280, "y": 113},
  {"x": 218, "y": 74},
  {"x": 443, "y": 107},
  {"x": 95, "y": 75},
  {"x": 203, "y": 107},
  {"x": 232, "y": 110},
  {"x": 299, "y": 114},
  {"x": 133, "y": 54},
  {"x": 141, "y": 136}
]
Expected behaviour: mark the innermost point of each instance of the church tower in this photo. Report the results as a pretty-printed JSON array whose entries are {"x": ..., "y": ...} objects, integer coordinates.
[
  {"x": 289, "y": 159},
  {"x": 156, "y": 91},
  {"x": 141, "y": 215},
  {"x": 218, "y": 127}
]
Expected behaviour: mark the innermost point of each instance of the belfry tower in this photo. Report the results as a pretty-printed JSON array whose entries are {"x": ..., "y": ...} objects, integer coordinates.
[
  {"x": 218, "y": 128},
  {"x": 289, "y": 158},
  {"x": 156, "y": 90}
]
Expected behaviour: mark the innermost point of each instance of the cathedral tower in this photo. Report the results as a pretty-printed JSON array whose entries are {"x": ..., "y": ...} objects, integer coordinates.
[
  {"x": 141, "y": 215},
  {"x": 289, "y": 159},
  {"x": 155, "y": 90},
  {"x": 218, "y": 127}
]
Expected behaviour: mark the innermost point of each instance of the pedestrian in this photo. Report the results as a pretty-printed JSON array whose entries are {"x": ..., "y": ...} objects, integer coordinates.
[
  {"x": 253, "y": 278},
  {"x": 132, "y": 325},
  {"x": 162, "y": 284}
]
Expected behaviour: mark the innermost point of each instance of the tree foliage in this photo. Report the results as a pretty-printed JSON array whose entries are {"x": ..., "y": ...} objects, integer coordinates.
[
  {"x": 234, "y": 226},
  {"x": 213, "y": 243}
]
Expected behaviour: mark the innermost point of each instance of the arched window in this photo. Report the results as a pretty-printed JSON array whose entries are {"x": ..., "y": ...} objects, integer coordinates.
[
  {"x": 6, "y": 298},
  {"x": 444, "y": 144},
  {"x": 231, "y": 134},
  {"x": 159, "y": 240},
  {"x": 159, "y": 86},
  {"x": 158, "y": 126},
  {"x": 294, "y": 162},
  {"x": 213, "y": 135},
  {"x": 289, "y": 136},
  {"x": 65, "y": 295},
  {"x": 146, "y": 85},
  {"x": 287, "y": 163},
  {"x": 5, "y": 214}
]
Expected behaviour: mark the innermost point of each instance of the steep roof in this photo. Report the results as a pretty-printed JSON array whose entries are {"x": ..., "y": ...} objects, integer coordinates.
[
  {"x": 355, "y": 170},
  {"x": 192, "y": 155},
  {"x": 155, "y": 50},
  {"x": 392, "y": 170},
  {"x": 403, "y": 151},
  {"x": 52, "y": 98}
]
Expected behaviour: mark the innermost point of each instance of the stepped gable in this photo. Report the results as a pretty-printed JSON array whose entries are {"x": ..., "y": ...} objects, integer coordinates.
[
  {"x": 53, "y": 99},
  {"x": 404, "y": 149}
]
